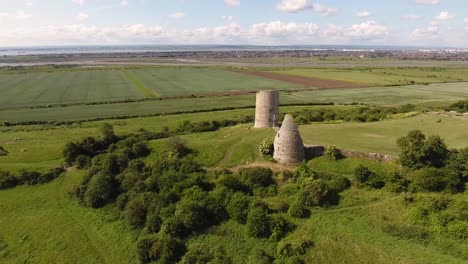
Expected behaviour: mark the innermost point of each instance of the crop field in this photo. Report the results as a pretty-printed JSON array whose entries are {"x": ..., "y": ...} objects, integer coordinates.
[
  {"x": 39, "y": 88},
  {"x": 383, "y": 76},
  {"x": 62, "y": 87},
  {"x": 381, "y": 96}
]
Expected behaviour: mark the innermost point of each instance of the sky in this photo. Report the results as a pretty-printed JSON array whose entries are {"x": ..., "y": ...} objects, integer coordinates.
[{"x": 257, "y": 22}]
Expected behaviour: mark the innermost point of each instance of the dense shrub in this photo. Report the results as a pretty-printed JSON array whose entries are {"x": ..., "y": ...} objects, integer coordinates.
[
  {"x": 135, "y": 212},
  {"x": 279, "y": 227},
  {"x": 206, "y": 254},
  {"x": 100, "y": 190},
  {"x": 3, "y": 152},
  {"x": 258, "y": 222},
  {"x": 266, "y": 147},
  {"x": 368, "y": 178},
  {"x": 436, "y": 180},
  {"x": 287, "y": 249},
  {"x": 178, "y": 147},
  {"x": 298, "y": 210},
  {"x": 238, "y": 207},
  {"x": 82, "y": 162},
  {"x": 460, "y": 106},
  {"x": 256, "y": 177},
  {"x": 10, "y": 180},
  {"x": 260, "y": 257},
  {"x": 333, "y": 153},
  {"x": 458, "y": 162}
]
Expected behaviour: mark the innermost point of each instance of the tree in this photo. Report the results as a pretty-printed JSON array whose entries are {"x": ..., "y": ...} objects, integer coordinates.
[
  {"x": 82, "y": 162},
  {"x": 106, "y": 133},
  {"x": 436, "y": 180},
  {"x": 298, "y": 210},
  {"x": 458, "y": 162},
  {"x": 418, "y": 152},
  {"x": 71, "y": 152},
  {"x": 99, "y": 190}
]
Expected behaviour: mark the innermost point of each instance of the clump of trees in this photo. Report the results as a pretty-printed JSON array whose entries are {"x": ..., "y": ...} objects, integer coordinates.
[
  {"x": 460, "y": 106},
  {"x": 429, "y": 167},
  {"x": 173, "y": 198}
]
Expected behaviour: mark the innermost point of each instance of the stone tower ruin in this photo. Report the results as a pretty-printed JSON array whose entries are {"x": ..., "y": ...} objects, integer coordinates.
[
  {"x": 267, "y": 109},
  {"x": 288, "y": 145}
]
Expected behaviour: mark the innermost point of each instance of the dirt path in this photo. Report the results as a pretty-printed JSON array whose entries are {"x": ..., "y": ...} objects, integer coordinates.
[{"x": 307, "y": 81}]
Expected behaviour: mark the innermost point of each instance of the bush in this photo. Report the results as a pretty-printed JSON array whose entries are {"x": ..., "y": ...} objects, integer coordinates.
[
  {"x": 258, "y": 222},
  {"x": 135, "y": 213},
  {"x": 82, "y": 162},
  {"x": 436, "y": 180},
  {"x": 140, "y": 150},
  {"x": 286, "y": 250},
  {"x": 238, "y": 207},
  {"x": 458, "y": 230},
  {"x": 206, "y": 254},
  {"x": 333, "y": 153},
  {"x": 3, "y": 152},
  {"x": 298, "y": 210},
  {"x": 7, "y": 180},
  {"x": 260, "y": 257},
  {"x": 366, "y": 177},
  {"x": 100, "y": 190},
  {"x": 279, "y": 227},
  {"x": 257, "y": 177},
  {"x": 178, "y": 147},
  {"x": 266, "y": 147}
]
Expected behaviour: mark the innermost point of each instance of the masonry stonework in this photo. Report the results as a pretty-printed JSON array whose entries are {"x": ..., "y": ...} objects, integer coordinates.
[
  {"x": 288, "y": 145},
  {"x": 267, "y": 109}
]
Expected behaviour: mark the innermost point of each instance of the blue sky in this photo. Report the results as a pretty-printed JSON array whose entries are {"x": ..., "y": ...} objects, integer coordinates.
[{"x": 275, "y": 22}]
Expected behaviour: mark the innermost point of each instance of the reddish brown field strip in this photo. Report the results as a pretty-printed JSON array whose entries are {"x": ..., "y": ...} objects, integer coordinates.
[{"x": 307, "y": 81}]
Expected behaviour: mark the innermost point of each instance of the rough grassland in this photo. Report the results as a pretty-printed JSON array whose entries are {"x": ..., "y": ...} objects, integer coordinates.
[
  {"x": 380, "y": 96},
  {"x": 381, "y": 136},
  {"x": 43, "y": 225},
  {"x": 384, "y": 76}
]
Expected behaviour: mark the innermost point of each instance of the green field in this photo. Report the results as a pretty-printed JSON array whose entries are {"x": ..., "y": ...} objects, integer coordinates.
[
  {"x": 41, "y": 87},
  {"x": 380, "y": 96},
  {"x": 384, "y": 76}
]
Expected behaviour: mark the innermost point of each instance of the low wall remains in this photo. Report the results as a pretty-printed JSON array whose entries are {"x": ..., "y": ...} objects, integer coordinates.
[{"x": 318, "y": 151}]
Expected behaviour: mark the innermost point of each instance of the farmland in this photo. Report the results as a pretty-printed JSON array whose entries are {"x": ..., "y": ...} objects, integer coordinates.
[
  {"x": 379, "y": 95},
  {"x": 52, "y": 87},
  {"x": 383, "y": 76}
]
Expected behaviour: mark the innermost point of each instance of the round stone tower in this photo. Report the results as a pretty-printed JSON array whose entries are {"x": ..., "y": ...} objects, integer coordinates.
[
  {"x": 267, "y": 109},
  {"x": 289, "y": 148}
]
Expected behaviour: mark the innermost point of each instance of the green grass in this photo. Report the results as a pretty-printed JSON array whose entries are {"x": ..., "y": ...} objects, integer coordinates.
[
  {"x": 39, "y": 88},
  {"x": 43, "y": 224},
  {"x": 384, "y": 76},
  {"x": 381, "y": 137},
  {"x": 64, "y": 87}
]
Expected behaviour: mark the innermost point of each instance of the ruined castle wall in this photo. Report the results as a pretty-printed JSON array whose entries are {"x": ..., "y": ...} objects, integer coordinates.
[{"x": 267, "y": 109}]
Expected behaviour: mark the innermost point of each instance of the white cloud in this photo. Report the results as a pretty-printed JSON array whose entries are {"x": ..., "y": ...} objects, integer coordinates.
[
  {"x": 295, "y": 6},
  {"x": 413, "y": 17},
  {"x": 20, "y": 14},
  {"x": 228, "y": 18},
  {"x": 427, "y": 2},
  {"x": 177, "y": 15},
  {"x": 124, "y": 3},
  {"x": 466, "y": 20},
  {"x": 4, "y": 14},
  {"x": 281, "y": 29},
  {"x": 79, "y": 2},
  {"x": 444, "y": 16},
  {"x": 232, "y": 3},
  {"x": 82, "y": 16},
  {"x": 29, "y": 4},
  {"x": 363, "y": 14},
  {"x": 367, "y": 30}
]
